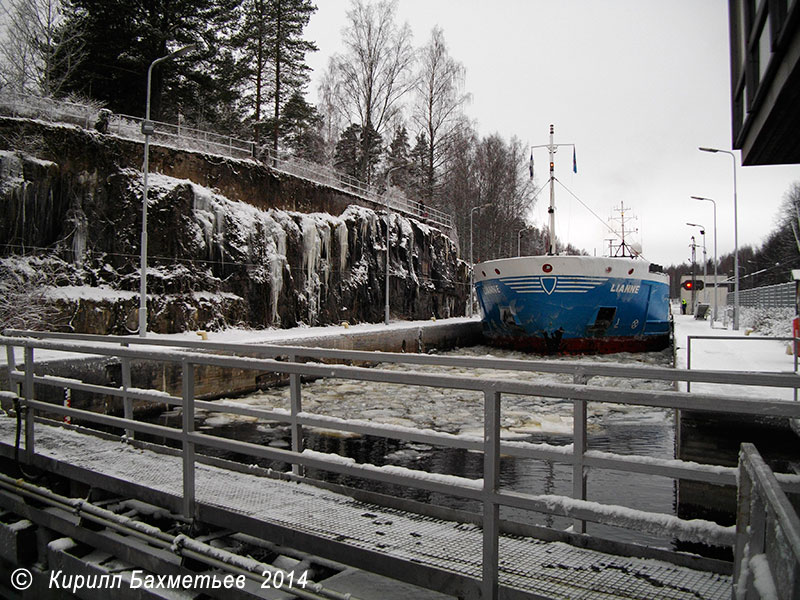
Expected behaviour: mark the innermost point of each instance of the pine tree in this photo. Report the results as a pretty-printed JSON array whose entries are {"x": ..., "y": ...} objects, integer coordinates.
[
  {"x": 397, "y": 158},
  {"x": 418, "y": 159},
  {"x": 123, "y": 37},
  {"x": 300, "y": 126},
  {"x": 371, "y": 152},
  {"x": 347, "y": 158},
  {"x": 272, "y": 39}
]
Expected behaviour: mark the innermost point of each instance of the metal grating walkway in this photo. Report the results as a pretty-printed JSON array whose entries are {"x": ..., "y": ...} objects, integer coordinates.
[{"x": 547, "y": 569}]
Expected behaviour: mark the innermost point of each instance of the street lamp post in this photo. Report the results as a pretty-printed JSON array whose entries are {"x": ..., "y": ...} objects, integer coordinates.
[
  {"x": 148, "y": 130},
  {"x": 714, "y": 318},
  {"x": 705, "y": 260},
  {"x": 693, "y": 246},
  {"x": 471, "y": 261},
  {"x": 735, "y": 240}
]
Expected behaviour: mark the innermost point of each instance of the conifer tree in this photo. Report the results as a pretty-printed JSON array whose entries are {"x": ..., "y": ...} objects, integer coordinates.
[
  {"x": 272, "y": 39},
  {"x": 300, "y": 126},
  {"x": 418, "y": 180},
  {"x": 397, "y": 158},
  {"x": 123, "y": 37},
  {"x": 347, "y": 158}
]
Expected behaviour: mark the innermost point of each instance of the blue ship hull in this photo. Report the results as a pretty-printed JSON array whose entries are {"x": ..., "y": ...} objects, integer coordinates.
[{"x": 574, "y": 304}]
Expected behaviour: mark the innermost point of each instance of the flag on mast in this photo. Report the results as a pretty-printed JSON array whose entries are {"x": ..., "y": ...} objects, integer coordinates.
[
  {"x": 574, "y": 161},
  {"x": 530, "y": 168}
]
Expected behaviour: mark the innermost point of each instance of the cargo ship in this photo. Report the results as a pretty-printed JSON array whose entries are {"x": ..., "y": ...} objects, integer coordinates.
[{"x": 574, "y": 304}]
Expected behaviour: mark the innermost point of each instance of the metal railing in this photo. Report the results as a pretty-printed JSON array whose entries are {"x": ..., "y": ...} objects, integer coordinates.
[
  {"x": 733, "y": 379},
  {"x": 187, "y": 138},
  {"x": 47, "y": 109},
  {"x": 326, "y": 176},
  {"x": 486, "y": 490},
  {"x": 181, "y": 137},
  {"x": 767, "y": 557}
]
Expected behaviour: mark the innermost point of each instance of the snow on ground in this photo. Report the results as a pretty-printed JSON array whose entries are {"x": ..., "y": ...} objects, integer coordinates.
[{"x": 749, "y": 353}]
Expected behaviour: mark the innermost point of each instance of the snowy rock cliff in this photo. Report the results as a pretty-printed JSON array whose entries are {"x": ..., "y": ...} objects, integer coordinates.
[{"x": 72, "y": 226}]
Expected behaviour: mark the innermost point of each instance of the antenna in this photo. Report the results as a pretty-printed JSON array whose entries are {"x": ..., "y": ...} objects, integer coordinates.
[{"x": 623, "y": 248}]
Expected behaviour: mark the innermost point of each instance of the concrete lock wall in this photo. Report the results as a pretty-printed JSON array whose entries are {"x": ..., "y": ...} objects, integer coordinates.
[{"x": 215, "y": 382}]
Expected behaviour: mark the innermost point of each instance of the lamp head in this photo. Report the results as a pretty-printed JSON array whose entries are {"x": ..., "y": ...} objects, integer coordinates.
[
  {"x": 708, "y": 149},
  {"x": 183, "y": 51}
]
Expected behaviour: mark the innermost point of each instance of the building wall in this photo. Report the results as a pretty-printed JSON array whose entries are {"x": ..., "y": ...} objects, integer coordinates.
[{"x": 765, "y": 80}]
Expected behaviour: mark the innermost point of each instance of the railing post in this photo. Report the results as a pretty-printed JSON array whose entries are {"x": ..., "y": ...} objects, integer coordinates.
[
  {"x": 11, "y": 363},
  {"x": 794, "y": 352},
  {"x": 688, "y": 362},
  {"x": 127, "y": 402},
  {"x": 29, "y": 437},
  {"x": 491, "y": 482},
  {"x": 744, "y": 496},
  {"x": 188, "y": 445},
  {"x": 295, "y": 408},
  {"x": 578, "y": 451}
]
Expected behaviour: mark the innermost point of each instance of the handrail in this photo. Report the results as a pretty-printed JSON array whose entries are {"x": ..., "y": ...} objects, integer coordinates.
[
  {"x": 345, "y": 183},
  {"x": 767, "y": 554},
  {"x": 182, "y": 137},
  {"x": 733, "y": 379},
  {"x": 485, "y": 490},
  {"x": 576, "y": 369}
]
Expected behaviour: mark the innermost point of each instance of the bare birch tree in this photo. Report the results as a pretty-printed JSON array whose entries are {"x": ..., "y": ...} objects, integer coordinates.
[
  {"x": 39, "y": 51},
  {"x": 372, "y": 74},
  {"x": 439, "y": 99}
]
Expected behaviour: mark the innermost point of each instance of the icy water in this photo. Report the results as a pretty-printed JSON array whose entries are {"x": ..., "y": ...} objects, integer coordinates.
[{"x": 612, "y": 428}]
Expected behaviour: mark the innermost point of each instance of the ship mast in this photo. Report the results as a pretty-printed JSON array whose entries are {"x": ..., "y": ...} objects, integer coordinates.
[
  {"x": 552, "y": 148},
  {"x": 552, "y": 209}
]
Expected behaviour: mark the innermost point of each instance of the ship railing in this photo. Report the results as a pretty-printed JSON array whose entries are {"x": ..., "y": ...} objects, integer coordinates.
[
  {"x": 188, "y": 357},
  {"x": 767, "y": 557}
]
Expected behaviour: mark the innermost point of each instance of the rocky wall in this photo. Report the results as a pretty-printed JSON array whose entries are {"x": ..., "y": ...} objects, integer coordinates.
[{"x": 276, "y": 252}]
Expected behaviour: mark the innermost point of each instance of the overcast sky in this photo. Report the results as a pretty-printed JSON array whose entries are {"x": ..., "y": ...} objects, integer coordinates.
[{"x": 637, "y": 85}]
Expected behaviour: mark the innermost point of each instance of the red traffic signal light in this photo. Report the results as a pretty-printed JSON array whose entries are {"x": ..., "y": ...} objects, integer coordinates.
[{"x": 692, "y": 285}]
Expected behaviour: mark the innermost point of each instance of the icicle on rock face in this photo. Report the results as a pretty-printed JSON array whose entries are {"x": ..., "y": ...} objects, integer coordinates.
[
  {"x": 217, "y": 262},
  {"x": 312, "y": 253}
]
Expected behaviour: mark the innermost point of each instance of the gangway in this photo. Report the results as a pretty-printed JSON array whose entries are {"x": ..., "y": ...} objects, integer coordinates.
[{"x": 467, "y": 556}]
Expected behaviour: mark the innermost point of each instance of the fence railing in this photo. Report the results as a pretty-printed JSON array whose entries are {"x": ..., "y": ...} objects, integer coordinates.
[
  {"x": 767, "y": 557},
  {"x": 47, "y": 109},
  {"x": 345, "y": 183},
  {"x": 768, "y": 296},
  {"x": 187, "y": 138},
  {"x": 732, "y": 378},
  {"x": 486, "y": 490}
]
